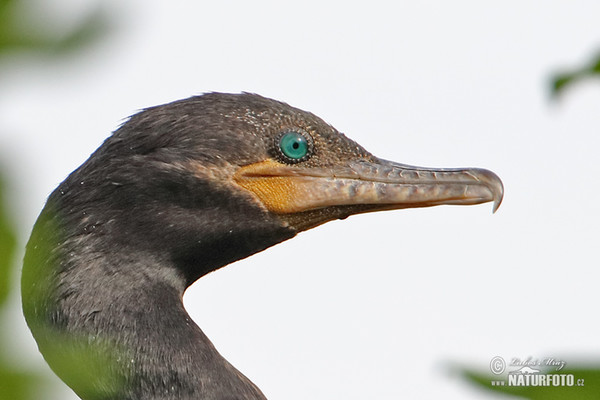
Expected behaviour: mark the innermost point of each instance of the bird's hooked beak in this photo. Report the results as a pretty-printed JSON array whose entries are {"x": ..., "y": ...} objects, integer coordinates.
[{"x": 373, "y": 185}]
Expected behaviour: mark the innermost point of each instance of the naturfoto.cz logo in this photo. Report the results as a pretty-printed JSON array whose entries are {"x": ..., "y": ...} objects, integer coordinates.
[{"x": 532, "y": 372}]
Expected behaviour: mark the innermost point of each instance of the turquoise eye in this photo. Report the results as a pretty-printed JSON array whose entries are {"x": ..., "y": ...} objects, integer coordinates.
[{"x": 294, "y": 146}]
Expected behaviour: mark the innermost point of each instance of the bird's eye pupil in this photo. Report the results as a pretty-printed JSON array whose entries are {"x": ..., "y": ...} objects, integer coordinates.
[{"x": 294, "y": 146}]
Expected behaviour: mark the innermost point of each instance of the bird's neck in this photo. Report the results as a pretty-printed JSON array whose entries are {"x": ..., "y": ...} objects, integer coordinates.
[
  {"x": 120, "y": 331},
  {"x": 169, "y": 355},
  {"x": 102, "y": 291}
]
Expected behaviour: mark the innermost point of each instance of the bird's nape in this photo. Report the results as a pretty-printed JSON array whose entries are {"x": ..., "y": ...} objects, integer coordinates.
[{"x": 176, "y": 192}]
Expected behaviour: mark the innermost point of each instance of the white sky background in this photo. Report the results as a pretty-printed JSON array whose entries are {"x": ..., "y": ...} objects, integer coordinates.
[{"x": 376, "y": 306}]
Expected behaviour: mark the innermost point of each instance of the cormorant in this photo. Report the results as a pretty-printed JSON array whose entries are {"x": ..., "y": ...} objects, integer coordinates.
[{"x": 178, "y": 191}]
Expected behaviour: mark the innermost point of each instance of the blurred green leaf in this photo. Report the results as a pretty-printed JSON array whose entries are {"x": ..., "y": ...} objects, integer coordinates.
[
  {"x": 31, "y": 35},
  {"x": 561, "y": 81},
  {"x": 586, "y": 385},
  {"x": 17, "y": 385},
  {"x": 4, "y": 4},
  {"x": 22, "y": 32},
  {"x": 93, "y": 27},
  {"x": 7, "y": 246}
]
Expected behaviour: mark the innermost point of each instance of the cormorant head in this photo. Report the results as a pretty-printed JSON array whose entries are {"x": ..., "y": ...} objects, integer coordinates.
[{"x": 217, "y": 177}]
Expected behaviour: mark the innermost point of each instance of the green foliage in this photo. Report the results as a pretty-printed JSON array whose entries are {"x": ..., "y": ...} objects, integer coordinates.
[
  {"x": 7, "y": 247},
  {"x": 20, "y": 32},
  {"x": 14, "y": 384},
  {"x": 17, "y": 385},
  {"x": 563, "y": 80},
  {"x": 586, "y": 385}
]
